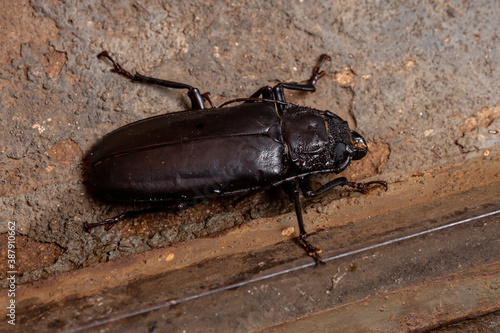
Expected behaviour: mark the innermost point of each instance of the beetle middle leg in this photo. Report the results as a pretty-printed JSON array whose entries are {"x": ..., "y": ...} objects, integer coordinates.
[
  {"x": 293, "y": 191},
  {"x": 306, "y": 188},
  {"x": 197, "y": 99}
]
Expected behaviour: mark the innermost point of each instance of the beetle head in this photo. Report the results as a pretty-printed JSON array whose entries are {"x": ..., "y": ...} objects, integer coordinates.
[
  {"x": 354, "y": 148},
  {"x": 346, "y": 145}
]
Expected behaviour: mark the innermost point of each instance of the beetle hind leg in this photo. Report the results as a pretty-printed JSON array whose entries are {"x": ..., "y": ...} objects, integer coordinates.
[
  {"x": 197, "y": 99},
  {"x": 110, "y": 222}
]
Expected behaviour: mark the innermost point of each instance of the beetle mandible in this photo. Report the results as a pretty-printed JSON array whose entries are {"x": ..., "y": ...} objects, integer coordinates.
[{"x": 184, "y": 157}]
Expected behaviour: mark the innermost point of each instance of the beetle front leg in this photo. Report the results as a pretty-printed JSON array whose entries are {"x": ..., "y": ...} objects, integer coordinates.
[
  {"x": 197, "y": 99},
  {"x": 311, "y": 250}
]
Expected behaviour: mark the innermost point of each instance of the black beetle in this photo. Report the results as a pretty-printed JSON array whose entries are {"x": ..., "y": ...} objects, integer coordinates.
[{"x": 184, "y": 157}]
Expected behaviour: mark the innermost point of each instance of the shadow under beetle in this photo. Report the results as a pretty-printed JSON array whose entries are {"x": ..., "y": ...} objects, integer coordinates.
[{"x": 182, "y": 158}]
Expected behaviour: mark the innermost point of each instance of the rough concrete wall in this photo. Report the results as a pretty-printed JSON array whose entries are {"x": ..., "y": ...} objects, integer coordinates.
[{"x": 418, "y": 79}]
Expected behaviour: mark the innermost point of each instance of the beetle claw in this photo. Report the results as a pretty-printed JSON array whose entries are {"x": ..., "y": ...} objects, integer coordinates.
[
  {"x": 374, "y": 183},
  {"x": 317, "y": 258},
  {"x": 317, "y": 73},
  {"x": 117, "y": 68},
  {"x": 311, "y": 250},
  {"x": 366, "y": 187},
  {"x": 108, "y": 223}
]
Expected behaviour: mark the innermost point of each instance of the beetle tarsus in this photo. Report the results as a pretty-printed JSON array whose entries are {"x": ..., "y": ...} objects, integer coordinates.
[
  {"x": 317, "y": 73},
  {"x": 366, "y": 187},
  {"x": 311, "y": 250},
  {"x": 108, "y": 223}
]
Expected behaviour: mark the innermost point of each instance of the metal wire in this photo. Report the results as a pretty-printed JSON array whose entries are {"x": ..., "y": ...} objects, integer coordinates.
[{"x": 169, "y": 303}]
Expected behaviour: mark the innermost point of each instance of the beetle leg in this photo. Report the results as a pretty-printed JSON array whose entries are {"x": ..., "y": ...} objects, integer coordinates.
[
  {"x": 305, "y": 185},
  {"x": 311, "y": 250},
  {"x": 307, "y": 190},
  {"x": 310, "y": 84},
  {"x": 279, "y": 89},
  {"x": 317, "y": 73},
  {"x": 266, "y": 93},
  {"x": 197, "y": 102},
  {"x": 110, "y": 222}
]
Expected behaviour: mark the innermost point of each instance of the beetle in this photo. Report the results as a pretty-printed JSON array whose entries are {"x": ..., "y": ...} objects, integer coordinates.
[{"x": 184, "y": 157}]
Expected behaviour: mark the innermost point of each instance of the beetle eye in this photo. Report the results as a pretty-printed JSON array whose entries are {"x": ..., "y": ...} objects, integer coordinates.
[{"x": 360, "y": 146}]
